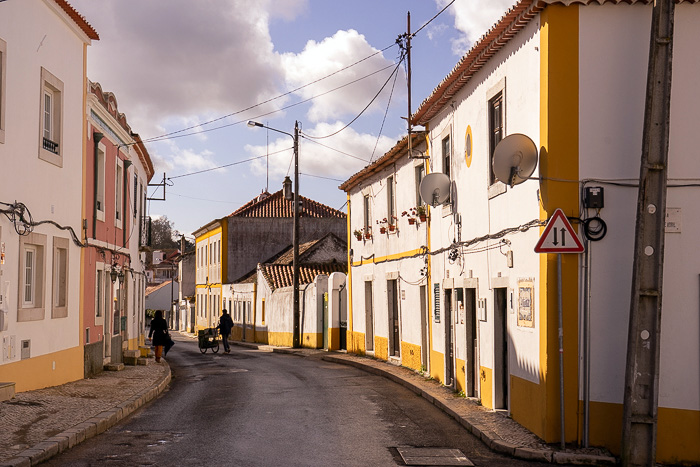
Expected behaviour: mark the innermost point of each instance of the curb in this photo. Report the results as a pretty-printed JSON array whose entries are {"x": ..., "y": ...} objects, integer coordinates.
[
  {"x": 490, "y": 439},
  {"x": 75, "y": 435}
]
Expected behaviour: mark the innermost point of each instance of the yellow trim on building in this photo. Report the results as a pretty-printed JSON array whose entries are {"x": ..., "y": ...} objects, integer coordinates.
[
  {"x": 47, "y": 370},
  {"x": 381, "y": 259},
  {"x": 381, "y": 348},
  {"x": 410, "y": 355},
  {"x": 351, "y": 317},
  {"x": 559, "y": 114},
  {"x": 486, "y": 379}
]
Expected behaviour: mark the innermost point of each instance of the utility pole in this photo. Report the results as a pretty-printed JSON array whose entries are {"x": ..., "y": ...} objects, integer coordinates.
[
  {"x": 408, "y": 79},
  {"x": 641, "y": 396},
  {"x": 296, "y": 339}
]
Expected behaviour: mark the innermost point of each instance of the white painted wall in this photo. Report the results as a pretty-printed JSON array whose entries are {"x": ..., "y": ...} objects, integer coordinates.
[
  {"x": 515, "y": 69},
  {"x": 615, "y": 39},
  {"x": 38, "y": 36}
]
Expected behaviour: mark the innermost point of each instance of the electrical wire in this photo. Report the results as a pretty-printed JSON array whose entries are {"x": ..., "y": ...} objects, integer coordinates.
[
  {"x": 227, "y": 165},
  {"x": 366, "y": 107},
  {"x": 24, "y": 223},
  {"x": 431, "y": 19},
  {"x": 334, "y": 149},
  {"x": 386, "y": 111}
]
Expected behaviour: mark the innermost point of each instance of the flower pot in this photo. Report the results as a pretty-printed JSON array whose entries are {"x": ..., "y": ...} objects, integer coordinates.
[
  {"x": 392, "y": 228},
  {"x": 368, "y": 235},
  {"x": 411, "y": 220},
  {"x": 423, "y": 217},
  {"x": 382, "y": 230},
  {"x": 358, "y": 237}
]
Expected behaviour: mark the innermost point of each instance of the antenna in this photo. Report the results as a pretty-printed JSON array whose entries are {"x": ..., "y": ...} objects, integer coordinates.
[
  {"x": 435, "y": 188},
  {"x": 514, "y": 159}
]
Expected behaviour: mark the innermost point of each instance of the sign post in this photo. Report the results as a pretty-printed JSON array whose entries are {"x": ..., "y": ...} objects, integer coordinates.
[{"x": 559, "y": 237}]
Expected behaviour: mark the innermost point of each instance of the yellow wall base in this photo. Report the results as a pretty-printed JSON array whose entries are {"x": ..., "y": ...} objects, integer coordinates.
[
  {"x": 486, "y": 378},
  {"x": 46, "y": 370},
  {"x": 280, "y": 339},
  {"x": 527, "y": 404},
  {"x": 460, "y": 375},
  {"x": 381, "y": 348},
  {"x": 437, "y": 365},
  {"x": 357, "y": 343},
  {"x": 410, "y": 355},
  {"x": 312, "y": 340}
]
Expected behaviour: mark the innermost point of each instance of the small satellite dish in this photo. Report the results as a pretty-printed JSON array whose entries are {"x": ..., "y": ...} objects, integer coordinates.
[
  {"x": 435, "y": 188},
  {"x": 514, "y": 159}
]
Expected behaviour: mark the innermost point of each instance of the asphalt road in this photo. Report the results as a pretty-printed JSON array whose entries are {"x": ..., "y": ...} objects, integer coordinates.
[{"x": 254, "y": 408}]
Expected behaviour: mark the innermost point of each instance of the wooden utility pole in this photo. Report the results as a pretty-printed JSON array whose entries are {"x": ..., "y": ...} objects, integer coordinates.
[{"x": 643, "y": 344}]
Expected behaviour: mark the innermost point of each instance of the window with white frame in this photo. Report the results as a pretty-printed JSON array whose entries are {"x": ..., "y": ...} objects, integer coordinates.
[
  {"x": 420, "y": 172},
  {"x": 495, "y": 130},
  {"x": 446, "y": 155},
  {"x": 390, "y": 200},
  {"x": 118, "y": 193},
  {"x": 99, "y": 294},
  {"x": 100, "y": 193},
  {"x": 59, "y": 306},
  {"x": 3, "y": 93},
  {"x": 31, "y": 284},
  {"x": 367, "y": 222},
  {"x": 51, "y": 125}
]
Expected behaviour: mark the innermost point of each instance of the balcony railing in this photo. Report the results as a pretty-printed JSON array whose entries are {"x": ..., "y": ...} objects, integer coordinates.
[{"x": 50, "y": 146}]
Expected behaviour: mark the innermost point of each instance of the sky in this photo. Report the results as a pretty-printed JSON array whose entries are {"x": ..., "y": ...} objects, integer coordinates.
[{"x": 188, "y": 75}]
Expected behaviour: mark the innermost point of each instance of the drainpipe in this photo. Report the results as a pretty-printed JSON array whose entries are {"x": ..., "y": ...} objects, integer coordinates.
[{"x": 96, "y": 137}]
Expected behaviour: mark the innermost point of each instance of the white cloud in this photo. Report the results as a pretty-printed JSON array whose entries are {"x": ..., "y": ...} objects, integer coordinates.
[
  {"x": 320, "y": 59},
  {"x": 159, "y": 62},
  {"x": 168, "y": 157},
  {"x": 473, "y": 18},
  {"x": 336, "y": 157}
]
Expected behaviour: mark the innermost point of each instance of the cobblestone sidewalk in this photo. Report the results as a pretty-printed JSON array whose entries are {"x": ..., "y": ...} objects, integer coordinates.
[{"x": 36, "y": 425}]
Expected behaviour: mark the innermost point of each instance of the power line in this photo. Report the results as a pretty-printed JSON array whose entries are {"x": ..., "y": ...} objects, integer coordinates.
[
  {"x": 366, "y": 107},
  {"x": 431, "y": 19},
  {"x": 166, "y": 135}
]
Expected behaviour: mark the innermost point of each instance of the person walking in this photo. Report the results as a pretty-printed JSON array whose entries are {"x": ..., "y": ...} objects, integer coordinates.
[
  {"x": 159, "y": 333},
  {"x": 225, "y": 326}
]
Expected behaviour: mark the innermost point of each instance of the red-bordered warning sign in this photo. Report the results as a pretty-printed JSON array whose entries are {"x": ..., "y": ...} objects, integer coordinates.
[{"x": 559, "y": 236}]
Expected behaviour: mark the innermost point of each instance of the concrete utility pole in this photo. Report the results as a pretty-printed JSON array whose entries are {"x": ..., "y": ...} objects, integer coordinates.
[{"x": 643, "y": 344}]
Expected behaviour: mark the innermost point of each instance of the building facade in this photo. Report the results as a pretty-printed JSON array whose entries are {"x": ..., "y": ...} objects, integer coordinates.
[
  {"x": 571, "y": 76},
  {"x": 43, "y": 94},
  {"x": 117, "y": 171}
]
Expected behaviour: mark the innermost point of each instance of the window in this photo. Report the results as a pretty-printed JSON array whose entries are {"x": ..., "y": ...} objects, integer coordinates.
[
  {"x": 51, "y": 127},
  {"x": 446, "y": 155},
  {"x": 118, "y": 183},
  {"x": 3, "y": 66},
  {"x": 420, "y": 172},
  {"x": 390, "y": 200},
  {"x": 59, "y": 308},
  {"x": 495, "y": 129},
  {"x": 366, "y": 211},
  {"x": 136, "y": 193},
  {"x": 99, "y": 293},
  {"x": 100, "y": 194},
  {"x": 31, "y": 284}
]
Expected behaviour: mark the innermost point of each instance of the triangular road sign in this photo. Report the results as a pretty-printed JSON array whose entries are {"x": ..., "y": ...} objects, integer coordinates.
[{"x": 559, "y": 236}]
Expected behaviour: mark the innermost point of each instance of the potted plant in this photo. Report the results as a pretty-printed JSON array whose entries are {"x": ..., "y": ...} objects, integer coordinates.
[
  {"x": 357, "y": 234},
  {"x": 421, "y": 213},
  {"x": 382, "y": 229},
  {"x": 392, "y": 225},
  {"x": 368, "y": 233}
]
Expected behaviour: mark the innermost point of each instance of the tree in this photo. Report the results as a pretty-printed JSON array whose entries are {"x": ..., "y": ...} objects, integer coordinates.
[{"x": 162, "y": 234}]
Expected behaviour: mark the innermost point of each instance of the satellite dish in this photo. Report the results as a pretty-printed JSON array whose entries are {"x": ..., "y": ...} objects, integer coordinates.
[
  {"x": 435, "y": 188},
  {"x": 514, "y": 159}
]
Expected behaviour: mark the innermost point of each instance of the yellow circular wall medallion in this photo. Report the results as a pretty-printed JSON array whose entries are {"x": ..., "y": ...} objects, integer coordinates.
[{"x": 468, "y": 146}]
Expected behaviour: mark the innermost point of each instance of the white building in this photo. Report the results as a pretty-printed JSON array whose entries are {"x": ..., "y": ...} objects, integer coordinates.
[
  {"x": 43, "y": 48},
  {"x": 570, "y": 75}
]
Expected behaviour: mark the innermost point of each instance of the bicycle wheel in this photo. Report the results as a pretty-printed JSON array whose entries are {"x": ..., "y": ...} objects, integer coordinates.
[
  {"x": 215, "y": 349},
  {"x": 203, "y": 349}
]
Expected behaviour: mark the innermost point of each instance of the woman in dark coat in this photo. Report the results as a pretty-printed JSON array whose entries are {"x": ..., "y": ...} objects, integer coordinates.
[{"x": 159, "y": 331}]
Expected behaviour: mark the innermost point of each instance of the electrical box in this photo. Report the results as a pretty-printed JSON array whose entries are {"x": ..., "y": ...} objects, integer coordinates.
[{"x": 593, "y": 197}]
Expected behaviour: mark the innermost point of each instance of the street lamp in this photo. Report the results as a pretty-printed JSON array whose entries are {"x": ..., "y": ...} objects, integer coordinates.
[{"x": 295, "y": 238}]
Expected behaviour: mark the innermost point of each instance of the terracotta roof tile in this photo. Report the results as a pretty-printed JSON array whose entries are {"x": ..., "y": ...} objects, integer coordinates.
[
  {"x": 514, "y": 20},
  {"x": 79, "y": 19},
  {"x": 275, "y": 205},
  {"x": 282, "y": 275}
]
